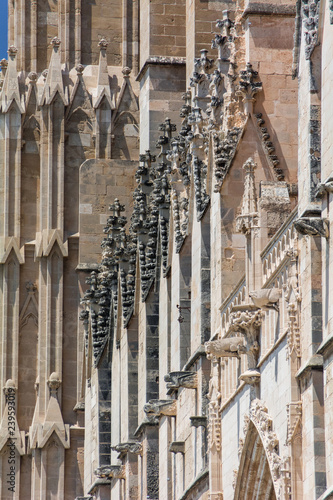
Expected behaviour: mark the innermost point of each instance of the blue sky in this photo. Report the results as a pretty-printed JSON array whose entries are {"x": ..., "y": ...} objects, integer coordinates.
[{"x": 3, "y": 29}]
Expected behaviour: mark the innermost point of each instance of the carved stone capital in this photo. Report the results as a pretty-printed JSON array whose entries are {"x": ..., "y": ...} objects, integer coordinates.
[
  {"x": 175, "y": 380},
  {"x": 224, "y": 348},
  {"x": 312, "y": 226},
  {"x": 198, "y": 421}
]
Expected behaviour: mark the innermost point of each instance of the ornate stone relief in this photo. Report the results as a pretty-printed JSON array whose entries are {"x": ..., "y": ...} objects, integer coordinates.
[
  {"x": 246, "y": 319},
  {"x": 294, "y": 415},
  {"x": 249, "y": 214},
  {"x": 310, "y": 13},
  {"x": 214, "y": 397},
  {"x": 269, "y": 148}
]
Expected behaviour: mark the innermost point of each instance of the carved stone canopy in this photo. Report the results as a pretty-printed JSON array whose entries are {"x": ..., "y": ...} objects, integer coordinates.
[
  {"x": 312, "y": 226},
  {"x": 177, "y": 447},
  {"x": 266, "y": 297},
  {"x": 175, "y": 380},
  {"x": 161, "y": 407},
  {"x": 224, "y": 348},
  {"x": 129, "y": 447},
  {"x": 198, "y": 421}
]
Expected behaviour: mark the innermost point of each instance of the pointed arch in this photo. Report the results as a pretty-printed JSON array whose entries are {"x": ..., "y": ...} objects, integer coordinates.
[{"x": 254, "y": 479}]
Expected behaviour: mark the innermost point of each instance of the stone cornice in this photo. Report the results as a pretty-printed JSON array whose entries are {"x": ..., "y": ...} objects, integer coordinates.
[
  {"x": 269, "y": 9},
  {"x": 159, "y": 61}
]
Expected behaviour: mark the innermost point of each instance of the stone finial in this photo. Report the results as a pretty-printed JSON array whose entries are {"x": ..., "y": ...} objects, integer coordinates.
[
  {"x": 126, "y": 71},
  {"x": 79, "y": 69},
  {"x": 54, "y": 382},
  {"x": 12, "y": 50},
  {"x": 248, "y": 88},
  {"x": 10, "y": 387},
  {"x": 3, "y": 64},
  {"x": 103, "y": 43},
  {"x": 31, "y": 287},
  {"x": 55, "y": 42},
  {"x": 32, "y": 77}
]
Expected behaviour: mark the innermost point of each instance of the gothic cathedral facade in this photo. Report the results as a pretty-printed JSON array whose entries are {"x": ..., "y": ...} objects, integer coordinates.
[{"x": 166, "y": 250}]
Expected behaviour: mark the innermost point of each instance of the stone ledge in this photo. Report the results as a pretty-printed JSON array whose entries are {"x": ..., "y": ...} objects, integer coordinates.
[
  {"x": 160, "y": 61},
  {"x": 192, "y": 359},
  {"x": 269, "y": 9},
  {"x": 200, "y": 477},
  {"x": 87, "y": 268},
  {"x": 328, "y": 494},
  {"x": 314, "y": 363},
  {"x": 326, "y": 346},
  {"x": 97, "y": 484}
]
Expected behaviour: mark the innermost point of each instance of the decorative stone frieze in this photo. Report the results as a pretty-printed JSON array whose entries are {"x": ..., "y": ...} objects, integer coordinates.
[
  {"x": 175, "y": 380},
  {"x": 224, "y": 152},
  {"x": 224, "y": 348},
  {"x": 269, "y": 147},
  {"x": 312, "y": 226}
]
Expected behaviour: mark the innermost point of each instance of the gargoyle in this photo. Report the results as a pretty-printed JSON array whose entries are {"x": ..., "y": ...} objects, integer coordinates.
[
  {"x": 266, "y": 298},
  {"x": 175, "y": 380},
  {"x": 225, "y": 348}
]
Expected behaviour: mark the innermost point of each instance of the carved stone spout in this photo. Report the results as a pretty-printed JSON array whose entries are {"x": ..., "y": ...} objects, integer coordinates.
[
  {"x": 110, "y": 471},
  {"x": 160, "y": 407},
  {"x": 130, "y": 447},
  {"x": 175, "y": 380},
  {"x": 225, "y": 348},
  {"x": 266, "y": 298}
]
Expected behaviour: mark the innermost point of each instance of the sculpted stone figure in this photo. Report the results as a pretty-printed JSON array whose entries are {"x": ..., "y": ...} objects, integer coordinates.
[{"x": 224, "y": 347}]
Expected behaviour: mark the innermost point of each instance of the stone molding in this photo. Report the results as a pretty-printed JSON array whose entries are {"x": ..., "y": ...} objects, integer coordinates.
[{"x": 279, "y": 467}]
